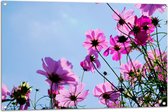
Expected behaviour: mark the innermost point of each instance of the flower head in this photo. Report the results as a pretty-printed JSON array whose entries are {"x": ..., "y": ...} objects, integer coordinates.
[
  {"x": 85, "y": 65},
  {"x": 159, "y": 61},
  {"x": 54, "y": 91},
  {"x": 95, "y": 39},
  {"x": 161, "y": 77},
  {"x": 22, "y": 95},
  {"x": 117, "y": 48},
  {"x": 57, "y": 72},
  {"x": 131, "y": 70},
  {"x": 156, "y": 55},
  {"x": 142, "y": 38},
  {"x": 90, "y": 59},
  {"x": 155, "y": 21},
  {"x": 71, "y": 97},
  {"x": 106, "y": 94},
  {"x": 126, "y": 16},
  {"x": 149, "y": 9},
  {"x": 142, "y": 29},
  {"x": 144, "y": 23}
]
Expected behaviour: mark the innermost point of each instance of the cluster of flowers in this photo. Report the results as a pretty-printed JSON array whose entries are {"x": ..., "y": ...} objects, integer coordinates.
[
  {"x": 134, "y": 34},
  {"x": 19, "y": 96},
  {"x": 59, "y": 73},
  {"x": 142, "y": 84}
]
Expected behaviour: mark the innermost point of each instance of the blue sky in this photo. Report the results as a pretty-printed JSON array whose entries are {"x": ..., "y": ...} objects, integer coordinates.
[{"x": 34, "y": 30}]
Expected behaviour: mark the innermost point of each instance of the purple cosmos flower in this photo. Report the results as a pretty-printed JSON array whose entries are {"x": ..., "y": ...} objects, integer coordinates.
[
  {"x": 57, "y": 72},
  {"x": 5, "y": 91},
  {"x": 106, "y": 94},
  {"x": 131, "y": 70},
  {"x": 149, "y": 9},
  {"x": 126, "y": 16},
  {"x": 71, "y": 97},
  {"x": 95, "y": 39},
  {"x": 90, "y": 59},
  {"x": 117, "y": 48}
]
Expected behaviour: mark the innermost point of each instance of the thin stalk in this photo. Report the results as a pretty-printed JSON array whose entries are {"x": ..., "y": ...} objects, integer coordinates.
[
  {"x": 51, "y": 97},
  {"x": 118, "y": 15},
  {"x": 82, "y": 76},
  {"x": 9, "y": 104},
  {"x": 107, "y": 63},
  {"x": 35, "y": 100},
  {"x": 133, "y": 97},
  {"x": 105, "y": 77},
  {"x": 41, "y": 98},
  {"x": 157, "y": 41},
  {"x": 122, "y": 99}
]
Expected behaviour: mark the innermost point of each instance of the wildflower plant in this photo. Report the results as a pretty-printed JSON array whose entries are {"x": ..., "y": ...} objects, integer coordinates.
[
  {"x": 19, "y": 97},
  {"x": 141, "y": 81}
]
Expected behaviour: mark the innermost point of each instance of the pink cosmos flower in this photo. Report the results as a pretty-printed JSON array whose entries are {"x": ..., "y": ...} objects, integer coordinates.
[
  {"x": 155, "y": 55},
  {"x": 5, "y": 91},
  {"x": 126, "y": 16},
  {"x": 85, "y": 65},
  {"x": 144, "y": 23},
  {"x": 54, "y": 91},
  {"x": 106, "y": 94},
  {"x": 90, "y": 59},
  {"x": 95, "y": 39},
  {"x": 66, "y": 64},
  {"x": 116, "y": 104},
  {"x": 161, "y": 77},
  {"x": 117, "y": 48},
  {"x": 142, "y": 29},
  {"x": 71, "y": 97},
  {"x": 149, "y": 9},
  {"x": 131, "y": 70},
  {"x": 57, "y": 72},
  {"x": 159, "y": 60},
  {"x": 142, "y": 38}
]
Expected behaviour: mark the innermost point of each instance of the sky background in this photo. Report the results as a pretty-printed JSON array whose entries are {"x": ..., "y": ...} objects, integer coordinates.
[{"x": 34, "y": 30}]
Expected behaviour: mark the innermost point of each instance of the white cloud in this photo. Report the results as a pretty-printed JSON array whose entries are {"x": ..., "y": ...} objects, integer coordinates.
[
  {"x": 45, "y": 30},
  {"x": 69, "y": 19}
]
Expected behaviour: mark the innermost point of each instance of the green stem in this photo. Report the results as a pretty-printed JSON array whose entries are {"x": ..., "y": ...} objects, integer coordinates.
[
  {"x": 132, "y": 97},
  {"x": 82, "y": 76},
  {"x": 35, "y": 100},
  {"x": 51, "y": 97},
  {"x": 40, "y": 99},
  {"x": 105, "y": 77},
  {"x": 9, "y": 104},
  {"x": 157, "y": 41},
  {"x": 107, "y": 63},
  {"x": 122, "y": 99},
  {"x": 158, "y": 33},
  {"x": 118, "y": 15}
]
